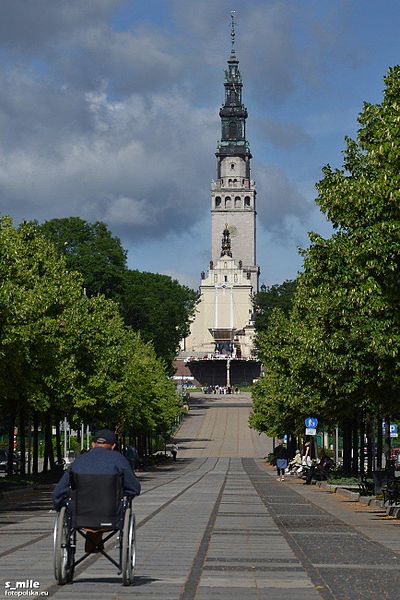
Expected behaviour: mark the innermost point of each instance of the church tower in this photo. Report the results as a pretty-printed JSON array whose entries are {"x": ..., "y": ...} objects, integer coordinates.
[
  {"x": 220, "y": 345},
  {"x": 233, "y": 194}
]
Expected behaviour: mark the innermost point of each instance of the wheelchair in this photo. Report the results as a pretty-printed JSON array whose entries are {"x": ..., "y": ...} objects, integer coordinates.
[{"x": 96, "y": 504}]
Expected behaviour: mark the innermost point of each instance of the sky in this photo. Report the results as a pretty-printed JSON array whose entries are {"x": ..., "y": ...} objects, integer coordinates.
[{"x": 109, "y": 111}]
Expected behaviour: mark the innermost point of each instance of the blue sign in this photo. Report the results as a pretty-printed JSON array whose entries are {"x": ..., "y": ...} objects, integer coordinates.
[
  {"x": 393, "y": 430},
  {"x": 311, "y": 422}
]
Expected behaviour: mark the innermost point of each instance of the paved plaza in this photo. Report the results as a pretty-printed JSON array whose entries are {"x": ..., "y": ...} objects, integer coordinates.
[{"x": 216, "y": 525}]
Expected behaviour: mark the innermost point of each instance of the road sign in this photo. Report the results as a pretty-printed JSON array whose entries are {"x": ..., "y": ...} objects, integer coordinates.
[
  {"x": 311, "y": 431},
  {"x": 311, "y": 422},
  {"x": 393, "y": 430}
]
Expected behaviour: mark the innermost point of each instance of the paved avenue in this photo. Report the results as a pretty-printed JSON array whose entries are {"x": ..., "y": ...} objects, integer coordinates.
[{"x": 217, "y": 525}]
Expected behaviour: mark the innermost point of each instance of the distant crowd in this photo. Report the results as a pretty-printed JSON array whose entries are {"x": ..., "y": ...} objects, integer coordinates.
[{"x": 220, "y": 389}]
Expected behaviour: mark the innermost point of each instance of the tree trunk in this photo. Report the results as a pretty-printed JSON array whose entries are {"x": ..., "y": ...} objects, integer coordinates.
[
  {"x": 379, "y": 445},
  {"x": 58, "y": 442},
  {"x": 10, "y": 458},
  {"x": 388, "y": 443},
  {"x": 49, "y": 441},
  {"x": 362, "y": 446},
  {"x": 22, "y": 441},
  {"x": 354, "y": 462},
  {"x": 347, "y": 447},
  {"x": 35, "y": 449},
  {"x": 370, "y": 444},
  {"x": 29, "y": 470}
]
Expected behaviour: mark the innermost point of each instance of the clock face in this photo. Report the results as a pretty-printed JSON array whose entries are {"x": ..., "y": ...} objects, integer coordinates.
[{"x": 233, "y": 230}]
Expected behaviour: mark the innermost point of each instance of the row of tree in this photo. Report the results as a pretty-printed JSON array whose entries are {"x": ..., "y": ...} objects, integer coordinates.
[
  {"x": 155, "y": 305},
  {"x": 335, "y": 353},
  {"x": 67, "y": 352}
]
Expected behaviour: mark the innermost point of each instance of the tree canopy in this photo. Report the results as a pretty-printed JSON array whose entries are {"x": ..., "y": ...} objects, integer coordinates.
[
  {"x": 159, "y": 308},
  {"x": 63, "y": 353},
  {"x": 93, "y": 251},
  {"x": 275, "y": 296},
  {"x": 341, "y": 357},
  {"x": 155, "y": 305}
]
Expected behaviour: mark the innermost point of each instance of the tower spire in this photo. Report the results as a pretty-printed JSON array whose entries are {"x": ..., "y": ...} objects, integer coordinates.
[
  {"x": 233, "y": 23},
  {"x": 233, "y": 112}
]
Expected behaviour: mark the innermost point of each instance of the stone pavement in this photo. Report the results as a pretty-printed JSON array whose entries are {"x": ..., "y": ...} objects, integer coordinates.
[{"x": 218, "y": 527}]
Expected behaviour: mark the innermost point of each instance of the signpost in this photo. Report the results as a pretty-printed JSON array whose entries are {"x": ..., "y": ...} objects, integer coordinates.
[{"x": 311, "y": 431}]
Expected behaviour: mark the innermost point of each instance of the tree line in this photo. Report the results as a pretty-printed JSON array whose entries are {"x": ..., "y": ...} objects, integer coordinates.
[
  {"x": 83, "y": 336},
  {"x": 334, "y": 353}
]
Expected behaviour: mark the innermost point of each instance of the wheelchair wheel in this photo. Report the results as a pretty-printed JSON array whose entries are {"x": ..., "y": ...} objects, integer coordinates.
[
  {"x": 128, "y": 548},
  {"x": 63, "y": 549}
]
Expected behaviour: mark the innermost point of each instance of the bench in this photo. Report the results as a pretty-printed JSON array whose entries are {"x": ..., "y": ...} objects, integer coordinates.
[
  {"x": 366, "y": 486},
  {"x": 391, "y": 492}
]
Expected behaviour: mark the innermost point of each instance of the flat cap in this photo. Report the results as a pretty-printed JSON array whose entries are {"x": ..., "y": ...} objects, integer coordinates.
[{"x": 105, "y": 436}]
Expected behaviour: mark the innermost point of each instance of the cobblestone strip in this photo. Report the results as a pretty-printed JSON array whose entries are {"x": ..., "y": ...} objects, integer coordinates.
[
  {"x": 247, "y": 556},
  {"x": 342, "y": 562}
]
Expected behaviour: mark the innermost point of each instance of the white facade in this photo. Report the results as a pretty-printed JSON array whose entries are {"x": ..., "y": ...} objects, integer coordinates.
[
  {"x": 223, "y": 312},
  {"x": 233, "y": 203}
]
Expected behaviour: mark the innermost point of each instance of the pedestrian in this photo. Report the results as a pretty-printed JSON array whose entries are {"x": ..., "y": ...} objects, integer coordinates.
[
  {"x": 174, "y": 451},
  {"x": 281, "y": 460},
  {"x": 132, "y": 456}
]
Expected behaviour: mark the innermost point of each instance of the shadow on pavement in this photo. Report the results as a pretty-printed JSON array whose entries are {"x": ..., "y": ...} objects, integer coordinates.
[{"x": 138, "y": 581}]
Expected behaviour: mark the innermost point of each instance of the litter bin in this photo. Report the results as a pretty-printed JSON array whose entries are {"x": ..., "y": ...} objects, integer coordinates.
[{"x": 381, "y": 478}]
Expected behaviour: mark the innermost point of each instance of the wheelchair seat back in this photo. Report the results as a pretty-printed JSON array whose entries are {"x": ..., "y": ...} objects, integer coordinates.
[{"x": 96, "y": 500}]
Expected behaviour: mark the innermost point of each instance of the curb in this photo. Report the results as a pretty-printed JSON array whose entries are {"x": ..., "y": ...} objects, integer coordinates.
[{"x": 391, "y": 511}]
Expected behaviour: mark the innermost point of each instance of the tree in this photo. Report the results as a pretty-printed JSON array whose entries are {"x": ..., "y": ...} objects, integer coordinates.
[
  {"x": 90, "y": 249},
  {"x": 65, "y": 354},
  {"x": 345, "y": 319},
  {"x": 275, "y": 296},
  {"x": 35, "y": 290},
  {"x": 160, "y": 309}
]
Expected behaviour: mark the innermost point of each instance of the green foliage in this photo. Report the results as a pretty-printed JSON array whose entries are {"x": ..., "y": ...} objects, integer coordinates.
[
  {"x": 155, "y": 305},
  {"x": 337, "y": 354},
  {"x": 65, "y": 353},
  {"x": 159, "y": 308},
  {"x": 275, "y": 296},
  {"x": 90, "y": 249}
]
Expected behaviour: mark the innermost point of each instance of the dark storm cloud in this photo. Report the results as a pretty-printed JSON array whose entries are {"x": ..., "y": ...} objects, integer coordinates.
[
  {"x": 32, "y": 25},
  {"x": 280, "y": 133},
  {"x": 278, "y": 199},
  {"x": 121, "y": 125}
]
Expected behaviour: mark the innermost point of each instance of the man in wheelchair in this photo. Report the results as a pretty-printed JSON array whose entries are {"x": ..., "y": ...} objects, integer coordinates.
[{"x": 93, "y": 497}]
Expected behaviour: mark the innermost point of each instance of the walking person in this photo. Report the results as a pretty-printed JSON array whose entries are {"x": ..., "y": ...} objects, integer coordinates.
[
  {"x": 174, "y": 451},
  {"x": 281, "y": 460}
]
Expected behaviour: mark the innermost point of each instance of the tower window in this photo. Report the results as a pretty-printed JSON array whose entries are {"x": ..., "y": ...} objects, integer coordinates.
[
  {"x": 238, "y": 202},
  {"x": 247, "y": 201},
  {"x": 217, "y": 201},
  {"x": 232, "y": 166},
  {"x": 225, "y": 277},
  {"x": 228, "y": 202}
]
